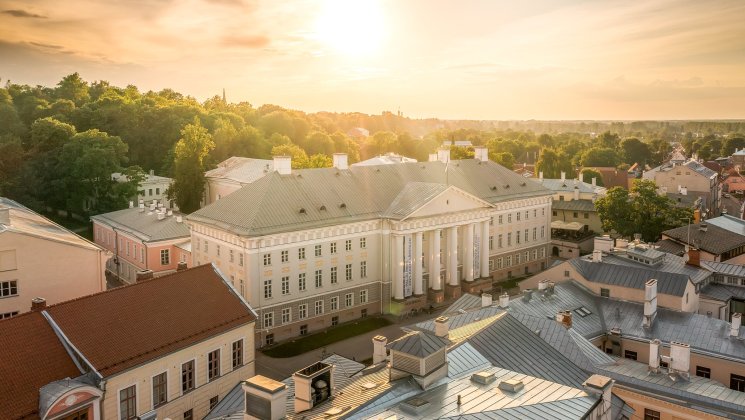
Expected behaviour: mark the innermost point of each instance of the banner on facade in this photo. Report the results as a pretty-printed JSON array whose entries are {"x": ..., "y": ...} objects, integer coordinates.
[{"x": 408, "y": 256}]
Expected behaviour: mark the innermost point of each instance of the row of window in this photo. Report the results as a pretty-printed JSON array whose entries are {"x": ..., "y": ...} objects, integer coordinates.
[
  {"x": 129, "y": 248},
  {"x": 8, "y": 288},
  {"x": 317, "y": 251},
  {"x": 7, "y": 315},
  {"x": 575, "y": 214},
  {"x": 318, "y": 278},
  {"x": 500, "y": 218},
  {"x": 525, "y": 236},
  {"x": 520, "y": 257},
  {"x": 269, "y": 338},
  {"x": 318, "y": 309},
  {"x": 128, "y": 396},
  {"x": 218, "y": 251}
]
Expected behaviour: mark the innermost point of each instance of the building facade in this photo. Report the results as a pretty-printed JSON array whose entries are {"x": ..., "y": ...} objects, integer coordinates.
[
  {"x": 689, "y": 178},
  {"x": 152, "y": 188},
  {"x": 231, "y": 174},
  {"x": 313, "y": 248},
  {"x": 40, "y": 258},
  {"x": 141, "y": 239}
]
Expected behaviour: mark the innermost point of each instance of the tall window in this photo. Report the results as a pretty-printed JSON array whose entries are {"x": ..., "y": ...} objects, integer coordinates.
[
  {"x": 333, "y": 247},
  {"x": 232, "y": 256},
  {"x": 301, "y": 282},
  {"x": 286, "y": 285},
  {"x": 526, "y": 235},
  {"x": 318, "y": 250},
  {"x": 334, "y": 274},
  {"x": 213, "y": 365},
  {"x": 491, "y": 242},
  {"x": 651, "y": 414},
  {"x": 237, "y": 353},
  {"x": 165, "y": 257},
  {"x": 518, "y": 216},
  {"x": 206, "y": 246},
  {"x": 363, "y": 269},
  {"x": 517, "y": 237},
  {"x": 319, "y": 278},
  {"x": 267, "y": 289},
  {"x": 187, "y": 376},
  {"x": 240, "y": 259},
  {"x": 499, "y": 240},
  {"x": 189, "y": 414},
  {"x": 302, "y": 311},
  {"x": 142, "y": 254},
  {"x": 334, "y": 303},
  {"x": 218, "y": 250},
  {"x": 285, "y": 255},
  {"x": 535, "y": 233},
  {"x": 213, "y": 401},
  {"x": 363, "y": 296},
  {"x": 500, "y": 219},
  {"x": 128, "y": 403},
  {"x": 160, "y": 389},
  {"x": 349, "y": 299},
  {"x": 737, "y": 382},
  {"x": 301, "y": 253},
  {"x": 509, "y": 261},
  {"x": 269, "y": 320},
  {"x": 543, "y": 231},
  {"x": 348, "y": 245},
  {"x": 509, "y": 218},
  {"x": 286, "y": 315},
  {"x": 363, "y": 243},
  {"x": 267, "y": 259},
  {"x": 319, "y": 307},
  {"x": 348, "y": 272},
  {"x": 509, "y": 239},
  {"x": 8, "y": 288}
]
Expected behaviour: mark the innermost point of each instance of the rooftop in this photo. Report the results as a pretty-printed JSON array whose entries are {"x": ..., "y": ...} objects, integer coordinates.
[
  {"x": 568, "y": 185},
  {"x": 633, "y": 277},
  {"x": 145, "y": 225},
  {"x": 720, "y": 236},
  {"x": 573, "y": 205},
  {"x": 419, "y": 344},
  {"x": 241, "y": 170},
  {"x": 386, "y": 159}
]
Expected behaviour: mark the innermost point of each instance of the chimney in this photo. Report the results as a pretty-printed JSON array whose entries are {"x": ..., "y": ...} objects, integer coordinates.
[
  {"x": 283, "y": 164},
  {"x": 38, "y": 304},
  {"x": 542, "y": 285},
  {"x": 481, "y": 153},
  {"x": 131, "y": 204},
  {"x": 442, "y": 324},
  {"x": 341, "y": 161},
  {"x": 170, "y": 213},
  {"x": 181, "y": 266},
  {"x": 161, "y": 214},
  {"x": 144, "y": 275},
  {"x": 594, "y": 181},
  {"x": 637, "y": 238},
  {"x": 486, "y": 300},
  {"x": 564, "y": 318},
  {"x": 432, "y": 157},
  {"x": 684, "y": 190},
  {"x": 504, "y": 301},
  {"x": 576, "y": 193},
  {"x": 443, "y": 155},
  {"x": 268, "y": 399},
  {"x": 142, "y": 207},
  {"x": 563, "y": 176},
  {"x": 527, "y": 295},
  {"x": 5, "y": 216},
  {"x": 680, "y": 355},
  {"x": 735, "y": 325},
  {"x": 650, "y": 303},
  {"x": 379, "y": 352},
  {"x": 601, "y": 386},
  {"x": 540, "y": 175},
  {"x": 694, "y": 257},
  {"x": 654, "y": 355},
  {"x": 152, "y": 206},
  {"x": 313, "y": 385},
  {"x": 597, "y": 255},
  {"x": 703, "y": 227},
  {"x": 179, "y": 219}
]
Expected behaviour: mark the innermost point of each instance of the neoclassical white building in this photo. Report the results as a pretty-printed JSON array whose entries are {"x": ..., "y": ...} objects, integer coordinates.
[{"x": 315, "y": 247}]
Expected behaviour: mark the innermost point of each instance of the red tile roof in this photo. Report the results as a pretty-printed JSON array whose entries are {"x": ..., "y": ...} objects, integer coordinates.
[
  {"x": 31, "y": 356},
  {"x": 125, "y": 327}
]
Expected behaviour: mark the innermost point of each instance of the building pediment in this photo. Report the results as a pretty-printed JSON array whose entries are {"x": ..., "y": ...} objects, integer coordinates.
[{"x": 420, "y": 199}]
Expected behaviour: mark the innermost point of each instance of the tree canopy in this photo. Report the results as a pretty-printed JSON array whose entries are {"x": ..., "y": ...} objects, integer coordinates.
[{"x": 189, "y": 166}]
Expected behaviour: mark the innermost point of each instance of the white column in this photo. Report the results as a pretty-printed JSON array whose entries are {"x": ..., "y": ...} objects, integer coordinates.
[
  {"x": 484, "y": 249},
  {"x": 435, "y": 282},
  {"x": 398, "y": 266},
  {"x": 468, "y": 250},
  {"x": 417, "y": 261},
  {"x": 452, "y": 264}
]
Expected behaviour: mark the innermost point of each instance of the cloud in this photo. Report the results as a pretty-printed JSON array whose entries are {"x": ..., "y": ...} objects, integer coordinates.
[
  {"x": 22, "y": 14},
  {"x": 50, "y": 46},
  {"x": 659, "y": 90},
  {"x": 250, "y": 41}
]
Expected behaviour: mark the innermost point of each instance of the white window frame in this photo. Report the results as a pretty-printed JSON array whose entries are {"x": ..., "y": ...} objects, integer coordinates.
[
  {"x": 181, "y": 378},
  {"x": 264, "y": 319},
  {"x": 289, "y": 315}
]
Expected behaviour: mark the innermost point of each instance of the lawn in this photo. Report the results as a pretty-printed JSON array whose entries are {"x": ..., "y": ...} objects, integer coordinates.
[{"x": 324, "y": 338}]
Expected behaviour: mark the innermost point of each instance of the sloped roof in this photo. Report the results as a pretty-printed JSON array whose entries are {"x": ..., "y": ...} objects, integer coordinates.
[
  {"x": 465, "y": 302},
  {"x": 730, "y": 223},
  {"x": 419, "y": 344},
  {"x": 328, "y": 196},
  {"x": 671, "y": 247},
  {"x": 150, "y": 318},
  {"x": 700, "y": 169},
  {"x": 31, "y": 356},
  {"x": 25, "y": 221},
  {"x": 241, "y": 169},
  {"x": 145, "y": 225},
  {"x": 632, "y": 277},
  {"x": 568, "y": 185},
  {"x": 671, "y": 263},
  {"x": 722, "y": 292},
  {"x": 386, "y": 159},
  {"x": 716, "y": 240},
  {"x": 724, "y": 268},
  {"x": 574, "y": 205},
  {"x": 413, "y": 196}
]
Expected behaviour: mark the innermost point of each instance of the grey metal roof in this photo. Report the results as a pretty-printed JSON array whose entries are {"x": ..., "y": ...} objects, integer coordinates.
[
  {"x": 413, "y": 196},
  {"x": 671, "y": 247},
  {"x": 716, "y": 239},
  {"x": 730, "y": 223},
  {"x": 576, "y": 408},
  {"x": 145, "y": 225},
  {"x": 465, "y": 359},
  {"x": 465, "y": 302},
  {"x": 670, "y": 264},
  {"x": 240, "y": 169},
  {"x": 328, "y": 196},
  {"x": 737, "y": 270},
  {"x": 557, "y": 185},
  {"x": 645, "y": 252},
  {"x": 632, "y": 277},
  {"x": 386, "y": 159},
  {"x": 459, "y": 320},
  {"x": 722, "y": 292},
  {"x": 509, "y": 344},
  {"x": 419, "y": 344},
  {"x": 699, "y": 168},
  {"x": 573, "y": 205}
]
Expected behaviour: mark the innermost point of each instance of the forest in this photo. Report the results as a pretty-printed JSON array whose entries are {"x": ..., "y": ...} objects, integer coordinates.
[{"x": 59, "y": 145}]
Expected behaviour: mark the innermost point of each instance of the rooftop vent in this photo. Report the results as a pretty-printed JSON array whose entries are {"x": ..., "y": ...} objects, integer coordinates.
[
  {"x": 506, "y": 186},
  {"x": 527, "y": 295},
  {"x": 322, "y": 208},
  {"x": 523, "y": 184},
  {"x": 414, "y": 405},
  {"x": 342, "y": 206},
  {"x": 302, "y": 211},
  {"x": 511, "y": 385},
  {"x": 369, "y": 385},
  {"x": 483, "y": 378},
  {"x": 493, "y": 187}
]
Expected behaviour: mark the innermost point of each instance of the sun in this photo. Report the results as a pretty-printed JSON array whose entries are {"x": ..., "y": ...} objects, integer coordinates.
[{"x": 351, "y": 27}]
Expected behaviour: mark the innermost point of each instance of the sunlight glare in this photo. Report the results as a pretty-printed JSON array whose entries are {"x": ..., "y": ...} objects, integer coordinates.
[{"x": 351, "y": 27}]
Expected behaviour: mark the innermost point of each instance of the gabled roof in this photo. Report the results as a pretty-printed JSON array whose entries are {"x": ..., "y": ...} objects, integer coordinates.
[
  {"x": 419, "y": 344},
  {"x": 31, "y": 356},
  {"x": 574, "y": 205},
  {"x": 145, "y": 225},
  {"x": 569, "y": 185},
  {"x": 631, "y": 277},
  {"x": 124, "y": 327},
  {"x": 413, "y": 196},
  {"x": 715, "y": 240},
  {"x": 730, "y": 223},
  {"x": 309, "y": 198},
  {"x": 386, "y": 159},
  {"x": 241, "y": 169},
  {"x": 700, "y": 169}
]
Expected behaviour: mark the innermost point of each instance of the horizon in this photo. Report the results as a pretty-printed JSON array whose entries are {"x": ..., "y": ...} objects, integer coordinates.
[{"x": 664, "y": 60}]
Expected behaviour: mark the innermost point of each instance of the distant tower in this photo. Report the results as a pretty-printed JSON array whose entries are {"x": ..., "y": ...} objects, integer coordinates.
[{"x": 223, "y": 96}]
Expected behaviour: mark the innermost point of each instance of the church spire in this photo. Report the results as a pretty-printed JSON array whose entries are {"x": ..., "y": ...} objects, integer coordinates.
[{"x": 223, "y": 96}]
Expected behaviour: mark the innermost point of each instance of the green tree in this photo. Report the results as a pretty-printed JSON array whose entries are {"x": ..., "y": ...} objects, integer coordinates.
[
  {"x": 588, "y": 174},
  {"x": 634, "y": 150},
  {"x": 11, "y": 161},
  {"x": 608, "y": 140},
  {"x": 660, "y": 150},
  {"x": 600, "y": 157},
  {"x": 505, "y": 159},
  {"x": 461, "y": 152},
  {"x": 318, "y": 161},
  {"x": 298, "y": 155},
  {"x": 640, "y": 210},
  {"x": 552, "y": 164},
  {"x": 189, "y": 166},
  {"x": 73, "y": 88},
  {"x": 731, "y": 145}
]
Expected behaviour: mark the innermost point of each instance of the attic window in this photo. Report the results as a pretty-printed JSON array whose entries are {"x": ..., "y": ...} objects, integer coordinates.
[
  {"x": 369, "y": 385},
  {"x": 377, "y": 170},
  {"x": 342, "y": 206},
  {"x": 299, "y": 175},
  {"x": 507, "y": 186},
  {"x": 323, "y": 208},
  {"x": 493, "y": 187},
  {"x": 523, "y": 184},
  {"x": 582, "y": 311},
  {"x": 302, "y": 211}
]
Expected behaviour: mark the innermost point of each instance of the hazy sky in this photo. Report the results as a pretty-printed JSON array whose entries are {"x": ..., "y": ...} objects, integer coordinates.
[{"x": 537, "y": 59}]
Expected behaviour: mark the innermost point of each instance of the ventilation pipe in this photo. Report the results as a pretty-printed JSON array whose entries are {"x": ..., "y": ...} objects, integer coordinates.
[
  {"x": 379, "y": 352},
  {"x": 654, "y": 355},
  {"x": 442, "y": 325},
  {"x": 283, "y": 164},
  {"x": 504, "y": 301},
  {"x": 542, "y": 285},
  {"x": 735, "y": 325},
  {"x": 597, "y": 256},
  {"x": 486, "y": 300}
]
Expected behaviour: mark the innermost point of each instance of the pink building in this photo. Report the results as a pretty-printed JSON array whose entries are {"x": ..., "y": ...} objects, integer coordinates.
[{"x": 140, "y": 239}]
